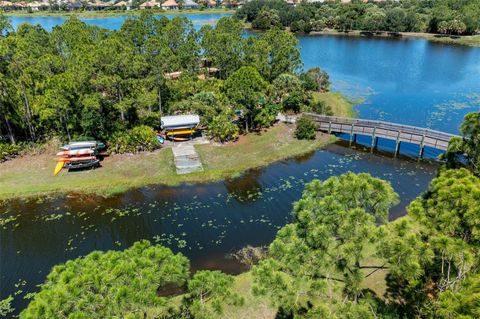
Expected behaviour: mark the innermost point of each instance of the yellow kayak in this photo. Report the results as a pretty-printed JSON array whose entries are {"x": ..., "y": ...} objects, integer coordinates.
[
  {"x": 181, "y": 132},
  {"x": 58, "y": 168}
]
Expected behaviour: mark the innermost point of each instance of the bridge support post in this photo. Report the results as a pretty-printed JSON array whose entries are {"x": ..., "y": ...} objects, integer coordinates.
[
  {"x": 330, "y": 127},
  {"x": 422, "y": 147},
  {"x": 352, "y": 136},
  {"x": 374, "y": 139},
  {"x": 397, "y": 144}
]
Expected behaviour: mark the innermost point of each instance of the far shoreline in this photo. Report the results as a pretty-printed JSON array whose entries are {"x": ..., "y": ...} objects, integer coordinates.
[
  {"x": 468, "y": 40},
  {"x": 113, "y": 13}
]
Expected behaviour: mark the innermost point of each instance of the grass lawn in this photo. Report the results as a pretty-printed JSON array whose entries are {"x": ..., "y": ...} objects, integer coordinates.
[
  {"x": 339, "y": 104},
  {"x": 472, "y": 40},
  {"x": 33, "y": 175},
  {"x": 253, "y": 307}
]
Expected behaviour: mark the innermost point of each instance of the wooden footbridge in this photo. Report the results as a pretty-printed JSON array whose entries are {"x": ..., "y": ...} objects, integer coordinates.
[{"x": 379, "y": 129}]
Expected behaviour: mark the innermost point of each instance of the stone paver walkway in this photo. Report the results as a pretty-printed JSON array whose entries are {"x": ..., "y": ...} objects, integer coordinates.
[{"x": 186, "y": 158}]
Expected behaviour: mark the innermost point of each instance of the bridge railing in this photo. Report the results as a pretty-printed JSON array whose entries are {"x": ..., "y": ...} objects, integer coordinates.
[{"x": 383, "y": 125}]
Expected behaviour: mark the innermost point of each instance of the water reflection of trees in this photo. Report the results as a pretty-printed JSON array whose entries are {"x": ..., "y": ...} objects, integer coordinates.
[
  {"x": 304, "y": 158},
  {"x": 247, "y": 187}
]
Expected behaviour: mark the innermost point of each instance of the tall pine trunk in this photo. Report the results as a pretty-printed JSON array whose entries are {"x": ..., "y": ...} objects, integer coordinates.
[
  {"x": 9, "y": 129},
  {"x": 28, "y": 113},
  {"x": 119, "y": 99},
  {"x": 159, "y": 97}
]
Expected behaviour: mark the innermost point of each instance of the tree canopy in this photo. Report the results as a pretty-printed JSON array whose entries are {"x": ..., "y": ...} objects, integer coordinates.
[
  {"x": 333, "y": 231},
  {"x": 439, "y": 16},
  {"x": 81, "y": 81},
  {"x": 110, "y": 284},
  {"x": 139, "y": 282},
  {"x": 318, "y": 265}
]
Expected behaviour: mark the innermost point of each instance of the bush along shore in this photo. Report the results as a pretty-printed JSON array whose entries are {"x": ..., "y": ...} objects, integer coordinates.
[{"x": 451, "y": 22}]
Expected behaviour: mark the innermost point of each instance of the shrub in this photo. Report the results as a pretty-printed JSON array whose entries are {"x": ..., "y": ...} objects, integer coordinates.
[
  {"x": 250, "y": 255},
  {"x": 222, "y": 129},
  {"x": 9, "y": 151},
  {"x": 138, "y": 139},
  {"x": 265, "y": 116},
  {"x": 320, "y": 107},
  {"x": 306, "y": 129},
  {"x": 293, "y": 103}
]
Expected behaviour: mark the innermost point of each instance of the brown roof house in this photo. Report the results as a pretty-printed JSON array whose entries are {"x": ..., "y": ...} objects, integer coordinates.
[
  {"x": 123, "y": 5},
  {"x": 189, "y": 4},
  {"x": 170, "y": 5},
  {"x": 150, "y": 5}
]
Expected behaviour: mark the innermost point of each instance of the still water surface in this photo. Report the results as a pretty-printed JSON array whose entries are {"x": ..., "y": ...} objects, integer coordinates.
[{"x": 407, "y": 81}]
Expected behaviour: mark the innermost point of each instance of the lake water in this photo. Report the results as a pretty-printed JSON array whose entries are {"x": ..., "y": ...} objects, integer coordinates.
[
  {"x": 407, "y": 81},
  {"x": 112, "y": 23}
]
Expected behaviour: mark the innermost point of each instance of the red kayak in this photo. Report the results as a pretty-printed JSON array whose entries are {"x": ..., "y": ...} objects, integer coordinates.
[
  {"x": 72, "y": 153},
  {"x": 76, "y": 159}
]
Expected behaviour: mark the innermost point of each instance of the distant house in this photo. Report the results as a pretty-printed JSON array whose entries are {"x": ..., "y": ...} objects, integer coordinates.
[
  {"x": 173, "y": 75},
  {"x": 170, "y": 5},
  {"x": 73, "y": 4},
  {"x": 292, "y": 2},
  {"x": 229, "y": 4},
  {"x": 98, "y": 5},
  {"x": 211, "y": 4},
  {"x": 149, "y": 5},
  {"x": 189, "y": 4},
  {"x": 122, "y": 5},
  {"x": 38, "y": 6},
  {"x": 7, "y": 5}
]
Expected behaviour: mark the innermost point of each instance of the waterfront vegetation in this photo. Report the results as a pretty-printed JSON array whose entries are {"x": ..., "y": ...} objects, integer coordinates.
[
  {"x": 464, "y": 151},
  {"x": 340, "y": 257},
  {"x": 452, "y": 17}
]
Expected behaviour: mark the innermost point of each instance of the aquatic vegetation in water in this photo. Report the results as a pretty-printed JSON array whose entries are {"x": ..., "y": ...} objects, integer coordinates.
[
  {"x": 4, "y": 221},
  {"x": 51, "y": 217}
]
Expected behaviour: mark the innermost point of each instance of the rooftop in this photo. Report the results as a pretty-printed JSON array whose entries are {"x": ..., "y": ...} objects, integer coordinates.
[{"x": 179, "y": 121}]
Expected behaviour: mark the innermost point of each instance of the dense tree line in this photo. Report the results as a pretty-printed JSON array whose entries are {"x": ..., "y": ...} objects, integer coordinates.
[
  {"x": 436, "y": 16},
  {"x": 139, "y": 282},
  {"x": 82, "y": 81},
  {"x": 319, "y": 264}
]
